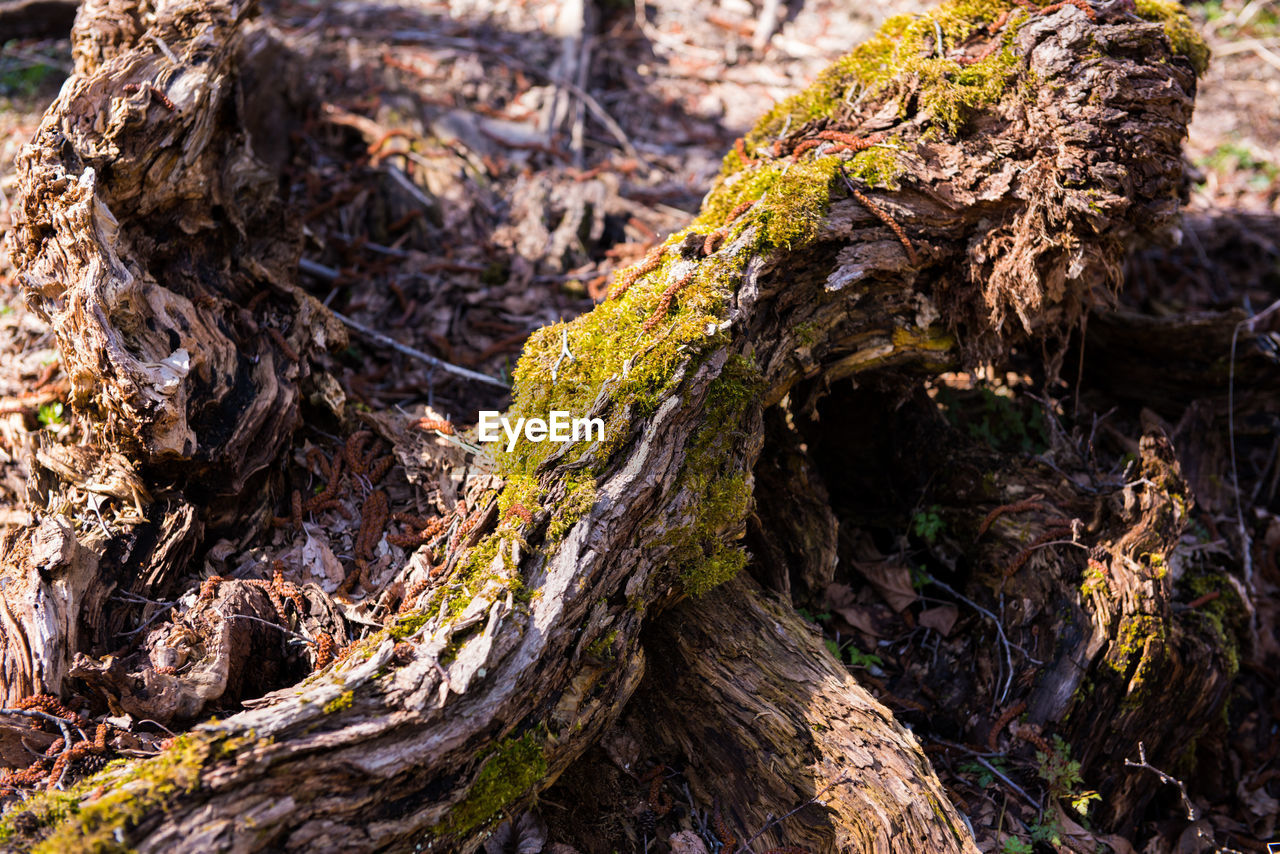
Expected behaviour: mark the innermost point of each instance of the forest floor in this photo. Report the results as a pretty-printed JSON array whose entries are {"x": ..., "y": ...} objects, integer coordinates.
[{"x": 456, "y": 199}]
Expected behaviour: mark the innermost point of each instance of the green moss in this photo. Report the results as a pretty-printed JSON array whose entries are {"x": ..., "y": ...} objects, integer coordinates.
[
  {"x": 1224, "y": 618},
  {"x": 520, "y": 489},
  {"x": 877, "y": 166},
  {"x": 722, "y": 498},
  {"x": 80, "y": 822},
  {"x": 900, "y": 60},
  {"x": 602, "y": 647},
  {"x": 606, "y": 364},
  {"x": 407, "y": 625},
  {"x": 806, "y": 334},
  {"x": 1182, "y": 34},
  {"x": 1095, "y": 581},
  {"x": 510, "y": 771},
  {"x": 580, "y": 497},
  {"x": 1131, "y": 641},
  {"x": 489, "y": 561},
  {"x": 791, "y": 198},
  {"x": 340, "y": 702}
]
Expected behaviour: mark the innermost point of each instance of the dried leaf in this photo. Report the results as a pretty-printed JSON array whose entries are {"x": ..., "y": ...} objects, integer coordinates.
[
  {"x": 892, "y": 581},
  {"x": 942, "y": 619},
  {"x": 860, "y": 618}
]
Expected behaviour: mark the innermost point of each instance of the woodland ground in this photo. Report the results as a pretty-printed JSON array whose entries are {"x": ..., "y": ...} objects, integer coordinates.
[{"x": 495, "y": 233}]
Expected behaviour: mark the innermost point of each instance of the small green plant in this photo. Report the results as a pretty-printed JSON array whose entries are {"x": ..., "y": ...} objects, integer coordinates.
[
  {"x": 810, "y": 617},
  {"x": 1047, "y": 832},
  {"x": 23, "y": 79},
  {"x": 50, "y": 414},
  {"x": 983, "y": 776},
  {"x": 1004, "y": 423},
  {"x": 854, "y": 656},
  {"x": 1014, "y": 845},
  {"x": 858, "y": 658},
  {"x": 1232, "y": 157},
  {"x": 928, "y": 524},
  {"x": 1062, "y": 773}
]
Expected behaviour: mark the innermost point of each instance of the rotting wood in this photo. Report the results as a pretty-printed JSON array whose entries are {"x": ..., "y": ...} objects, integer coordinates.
[{"x": 1017, "y": 225}]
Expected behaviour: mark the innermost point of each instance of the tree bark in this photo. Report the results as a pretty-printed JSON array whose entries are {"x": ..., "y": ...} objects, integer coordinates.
[
  {"x": 791, "y": 727},
  {"x": 989, "y": 217}
]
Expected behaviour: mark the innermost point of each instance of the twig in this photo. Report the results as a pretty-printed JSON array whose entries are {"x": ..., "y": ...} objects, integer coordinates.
[
  {"x": 164, "y": 48},
  {"x": 1192, "y": 813},
  {"x": 746, "y": 846},
  {"x": 1267, "y": 56},
  {"x": 1004, "y": 641},
  {"x": 1231, "y": 443},
  {"x": 62, "y": 723},
  {"x": 564, "y": 353},
  {"x": 601, "y": 114},
  {"x": 254, "y": 619},
  {"x": 985, "y": 764},
  {"x": 157, "y": 615},
  {"x": 37, "y": 59},
  {"x": 448, "y": 367},
  {"x": 766, "y": 25}
]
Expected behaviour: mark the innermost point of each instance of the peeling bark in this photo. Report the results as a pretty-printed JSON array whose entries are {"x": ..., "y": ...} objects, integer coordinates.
[{"x": 145, "y": 233}]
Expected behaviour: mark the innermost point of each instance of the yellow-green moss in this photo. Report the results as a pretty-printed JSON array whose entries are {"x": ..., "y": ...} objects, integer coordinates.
[
  {"x": 1182, "y": 34},
  {"x": 519, "y": 489},
  {"x": 620, "y": 371},
  {"x": 1131, "y": 641},
  {"x": 340, "y": 702},
  {"x": 700, "y": 553},
  {"x": 1225, "y": 617},
  {"x": 602, "y": 647},
  {"x": 791, "y": 200},
  {"x": 489, "y": 561},
  {"x": 877, "y": 166},
  {"x": 510, "y": 771},
  {"x": 131, "y": 790},
  {"x": 1095, "y": 581},
  {"x": 580, "y": 497},
  {"x": 407, "y": 625},
  {"x": 902, "y": 58}
]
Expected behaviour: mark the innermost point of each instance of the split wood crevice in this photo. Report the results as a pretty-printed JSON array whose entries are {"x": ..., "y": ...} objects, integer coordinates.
[{"x": 150, "y": 234}]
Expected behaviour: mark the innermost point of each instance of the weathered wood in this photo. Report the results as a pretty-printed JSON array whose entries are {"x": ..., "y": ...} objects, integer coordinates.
[
  {"x": 791, "y": 727},
  {"x": 165, "y": 222},
  {"x": 987, "y": 214}
]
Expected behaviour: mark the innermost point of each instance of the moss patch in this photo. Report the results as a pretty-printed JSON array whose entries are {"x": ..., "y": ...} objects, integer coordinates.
[
  {"x": 1182, "y": 34},
  {"x": 340, "y": 702},
  {"x": 722, "y": 498},
  {"x": 1224, "y": 619},
  {"x": 580, "y": 496},
  {"x": 80, "y": 822},
  {"x": 510, "y": 770},
  {"x": 407, "y": 625},
  {"x": 607, "y": 364},
  {"x": 602, "y": 647},
  {"x": 902, "y": 59}
]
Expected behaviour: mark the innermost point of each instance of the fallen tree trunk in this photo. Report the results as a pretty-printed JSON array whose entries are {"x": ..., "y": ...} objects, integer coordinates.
[
  {"x": 923, "y": 206},
  {"x": 790, "y": 727}
]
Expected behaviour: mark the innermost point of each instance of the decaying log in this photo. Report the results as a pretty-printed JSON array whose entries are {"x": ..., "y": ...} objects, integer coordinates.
[
  {"x": 900, "y": 218},
  {"x": 791, "y": 727},
  {"x": 1090, "y": 575},
  {"x": 151, "y": 221}
]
